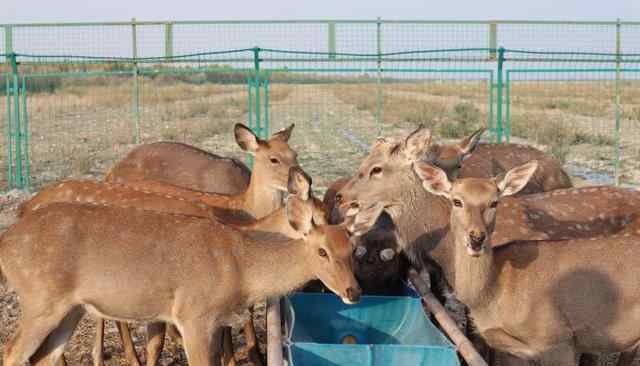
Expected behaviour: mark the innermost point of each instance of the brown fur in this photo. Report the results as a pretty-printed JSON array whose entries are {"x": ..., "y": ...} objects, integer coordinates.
[
  {"x": 539, "y": 299},
  {"x": 183, "y": 165},
  {"x": 197, "y": 257}
]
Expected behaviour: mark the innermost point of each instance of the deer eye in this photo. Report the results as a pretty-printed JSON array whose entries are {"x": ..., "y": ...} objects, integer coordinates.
[
  {"x": 457, "y": 203},
  {"x": 375, "y": 171},
  {"x": 322, "y": 253},
  {"x": 493, "y": 204},
  {"x": 274, "y": 161}
]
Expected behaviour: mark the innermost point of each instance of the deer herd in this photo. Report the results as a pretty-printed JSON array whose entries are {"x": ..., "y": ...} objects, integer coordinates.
[{"x": 188, "y": 241}]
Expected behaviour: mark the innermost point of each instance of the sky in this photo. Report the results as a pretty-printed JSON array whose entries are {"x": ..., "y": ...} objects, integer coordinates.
[{"x": 20, "y": 11}]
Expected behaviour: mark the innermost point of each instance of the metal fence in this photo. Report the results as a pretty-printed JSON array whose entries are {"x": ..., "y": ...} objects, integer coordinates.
[
  {"x": 74, "y": 108},
  {"x": 169, "y": 38}
]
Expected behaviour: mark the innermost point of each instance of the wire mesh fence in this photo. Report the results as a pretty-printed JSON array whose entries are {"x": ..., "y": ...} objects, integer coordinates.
[{"x": 77, "y": 115}]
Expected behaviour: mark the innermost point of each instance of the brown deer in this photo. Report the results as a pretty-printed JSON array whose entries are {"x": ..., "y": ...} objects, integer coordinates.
[
  {"x": 183, "y": 165},
  {"x": 470, "y": 158},
  {"x": 547, "y": 300},
  {"x": 272, "y": 160},
  {"x": 386, "y": 175},
  {"x": 209, "y": 271},
  {"x": 299, "y": 184}
]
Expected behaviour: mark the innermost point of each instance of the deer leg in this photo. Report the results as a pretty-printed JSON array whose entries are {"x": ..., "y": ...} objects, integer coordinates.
[
  {"x": 98, "y": 344},
  {"x": 127, "y": 343},
  {"x": 201, "y": 343},
  {"x": 228, "y": 358},
  {"x": 51, "y": 351},
  {"x": 155, "y": 342},
  {"x": 35, "y": 326},
  {"x": 253, "y": 348}
]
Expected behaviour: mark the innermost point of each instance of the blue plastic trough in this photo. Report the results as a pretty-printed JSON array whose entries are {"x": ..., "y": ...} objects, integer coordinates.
[{"x": 378, "y": 331}]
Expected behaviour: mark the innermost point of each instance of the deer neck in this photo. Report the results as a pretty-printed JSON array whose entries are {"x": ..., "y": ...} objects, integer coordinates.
[
  {"x": 475, "y": 277},
  {"x": 260, "y": 199},
  {"x": 272, "y": 269},
  {"x": 422, "y": 221}
]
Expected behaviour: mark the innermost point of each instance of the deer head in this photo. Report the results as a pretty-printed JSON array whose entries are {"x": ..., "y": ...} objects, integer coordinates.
[
  {"x": 474, "y": 201},
  {"x": 449, "y": 157},
  {"x": 329, "y": 247},
  {"x": 299, "y": 184},
  {"x": 272, "y": 158},
  {"x": 383, "y": 173}
]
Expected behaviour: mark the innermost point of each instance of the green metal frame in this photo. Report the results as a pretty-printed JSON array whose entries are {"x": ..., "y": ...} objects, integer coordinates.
[
  {"x": 9, "y": 133},
  {"x": 258, "y": 80}
]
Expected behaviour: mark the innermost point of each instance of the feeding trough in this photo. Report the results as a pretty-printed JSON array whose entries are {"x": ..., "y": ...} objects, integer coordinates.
[{"x": 321, "y": 330}]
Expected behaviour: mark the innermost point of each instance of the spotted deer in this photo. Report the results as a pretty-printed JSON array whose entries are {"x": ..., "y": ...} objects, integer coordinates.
[
  {"x": 545, "y": 300},
  {"x": 472, "y": 159},
  {"x": 421, "y": 218},
  {"x": 209, "y": 271},
  {"x": 272, "y": 160},
  {"x": 299, "y": 184},
  {"x": 469, "y": 158}
]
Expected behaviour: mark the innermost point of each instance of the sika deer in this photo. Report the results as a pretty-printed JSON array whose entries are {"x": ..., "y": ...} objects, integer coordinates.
[
  {"x": 471, "y": 159},
  {"x": 387, "y": 176},
  {"x": 299, "y": 183},
  {"x": 217, "y": 271},
  {"x": 272, "y": 160},
  {"x": 182, "y": 165},
  {"x": 548, "y": 300}
]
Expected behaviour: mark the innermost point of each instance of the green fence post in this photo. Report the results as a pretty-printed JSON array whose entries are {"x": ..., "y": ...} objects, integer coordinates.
[
  {"x": 616, "y": 170},
  {"x": 491, "y": 127},
  {"x": 265, "y": 130},
  {"x": 493, "y": 40},
  {"x": 499, "y": 127},
  {"x": 16, "y": 125},
  {"x": 379, "y": 78},
  {"x": 168, "y": 40},
  {"x": 249, "y": 114},
  {"x": 136, "y": 86},
  {"x": 25, "y": 128},
  {"x": 332, "y": 40},
  {"x": 256, "y": 63},
  {"x": 507, "y": 117},
  {"x": 8, "y": 39},
  {"x": 9, "y": 134}
]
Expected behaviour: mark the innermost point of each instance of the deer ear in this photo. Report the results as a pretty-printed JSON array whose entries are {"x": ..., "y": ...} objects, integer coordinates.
[
  {"x": 469, "y": 143},
  {"x": 246, "y": 139},
  {"x": 434, "y": 179},
  {"x": 359, "y": 221},
  {"x": 284, "y": 134},
  {"x": 299, "y": 214},
  {"x": 417, "y": 143},
  {"x": 516, "y": 179},
  {"x": 299, "y": 183}
]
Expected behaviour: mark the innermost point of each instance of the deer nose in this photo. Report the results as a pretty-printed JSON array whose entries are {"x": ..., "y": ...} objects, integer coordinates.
[
  {"x": 477, "y": 237},
  {"x": 338, "y": 198},
  {"x": 353, "y": 294}
]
